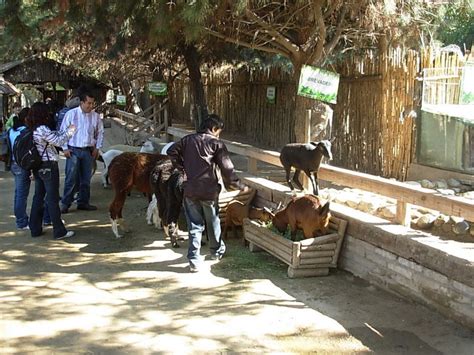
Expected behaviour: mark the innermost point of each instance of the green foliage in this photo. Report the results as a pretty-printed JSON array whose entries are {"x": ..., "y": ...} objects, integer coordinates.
[
  {"x": 287, "y": 235},
  {"x": 457, "y": 24}
]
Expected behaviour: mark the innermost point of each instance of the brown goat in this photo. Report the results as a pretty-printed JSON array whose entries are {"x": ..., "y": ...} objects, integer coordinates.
[
  {"x": 306, "y": 213},
  {"x": 126, "y": 171},
  {"x": 236, "y": 212}
]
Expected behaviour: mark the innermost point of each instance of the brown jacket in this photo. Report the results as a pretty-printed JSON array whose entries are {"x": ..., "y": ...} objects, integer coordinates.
[{"x": 198, "y": 155}]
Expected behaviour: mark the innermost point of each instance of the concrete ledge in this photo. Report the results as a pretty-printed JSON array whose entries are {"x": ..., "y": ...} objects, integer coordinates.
[
  {"x": 438, "y": 273},
  {"x": 450, "y": 258}
]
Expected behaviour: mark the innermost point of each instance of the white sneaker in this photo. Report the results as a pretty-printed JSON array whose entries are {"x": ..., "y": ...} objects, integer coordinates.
[
  {"x": 69, "y": 234},
  {"x": 25, "y": 228}
]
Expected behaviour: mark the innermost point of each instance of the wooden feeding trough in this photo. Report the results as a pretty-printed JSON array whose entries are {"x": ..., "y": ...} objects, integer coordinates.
[
  {"x": 227, "y": 197},
  {"x": 308, "y": 257}
]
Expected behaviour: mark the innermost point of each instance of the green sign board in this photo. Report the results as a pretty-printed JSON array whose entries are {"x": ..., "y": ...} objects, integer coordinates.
[
  {"x": 271, "y": 94},
  {"x": 318, "y": 84},
  {"x": 158, "y": 88},
  {"x": 467, "y": 84},
  {"x": 121, "y": 100}
]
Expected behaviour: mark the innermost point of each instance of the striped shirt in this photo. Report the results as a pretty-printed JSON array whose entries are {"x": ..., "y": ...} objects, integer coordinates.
[
  {"x": 90, "y": 129},
  {"x": 46, "y": 138}
]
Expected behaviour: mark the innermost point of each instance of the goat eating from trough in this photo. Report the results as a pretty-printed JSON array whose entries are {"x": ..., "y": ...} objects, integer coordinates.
[
  {"x": 167, "y": 185},
  {"x": 126, "y": 171},
  {"x": 236, "y": 212},
  {"x": 306, "y": 213},
  {"x": 304, "y": 157}
]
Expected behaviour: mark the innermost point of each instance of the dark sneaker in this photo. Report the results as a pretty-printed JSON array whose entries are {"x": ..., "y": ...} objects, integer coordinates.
[
  {"x": 216, "y": 256},
  {"x": 87, "y": 207},
  {"x": 69, "y": 234},
  {"x": 64, "y": 209}
]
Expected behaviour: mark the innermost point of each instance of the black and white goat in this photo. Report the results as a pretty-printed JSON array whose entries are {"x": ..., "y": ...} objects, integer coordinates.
[
  {"x": 167, "y": 185},
  {"x": 304, "y": 157}
]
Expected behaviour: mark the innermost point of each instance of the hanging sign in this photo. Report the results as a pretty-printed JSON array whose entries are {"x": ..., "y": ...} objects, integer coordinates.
[
  {"x": 121, "y": 100},
  {"x": 318, "y": 84},
  {"x": 271, "y": 94},
  {"x": 158, "y": 88},
  {"x": 467, "y": 84}
]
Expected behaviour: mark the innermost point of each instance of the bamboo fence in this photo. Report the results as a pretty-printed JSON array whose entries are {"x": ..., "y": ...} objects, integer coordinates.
[{"x": 374, "y": 131}]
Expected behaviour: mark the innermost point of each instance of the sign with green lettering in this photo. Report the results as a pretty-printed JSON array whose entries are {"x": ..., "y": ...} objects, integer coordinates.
[
  {"x": 158, "y": 88},
  {"x": 121, "y": 100},
  {"x": 318, "y": 84},
  {"x": 271, "y": 94},
  {"x": 467, "y": 84}
]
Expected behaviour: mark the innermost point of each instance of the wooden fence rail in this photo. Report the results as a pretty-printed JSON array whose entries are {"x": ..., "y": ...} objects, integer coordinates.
[
  {"x": 405, "y": 194},
  {"x": 152, "y": 124}
]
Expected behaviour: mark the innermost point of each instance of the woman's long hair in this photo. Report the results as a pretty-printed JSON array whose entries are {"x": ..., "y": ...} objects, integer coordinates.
[{"x": 38, "y": 115}]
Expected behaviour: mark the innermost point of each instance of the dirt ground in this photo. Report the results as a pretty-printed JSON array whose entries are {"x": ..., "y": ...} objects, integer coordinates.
[{"x": 96, "y": 294}]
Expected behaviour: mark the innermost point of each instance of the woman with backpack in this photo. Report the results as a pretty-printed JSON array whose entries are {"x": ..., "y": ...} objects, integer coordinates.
[
  {"x": 22, "y": 177},
  {"x": 47, "y": 175}
]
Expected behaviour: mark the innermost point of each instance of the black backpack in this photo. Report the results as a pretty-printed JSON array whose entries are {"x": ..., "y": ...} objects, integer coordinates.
[{"x": 25, "y": 152}]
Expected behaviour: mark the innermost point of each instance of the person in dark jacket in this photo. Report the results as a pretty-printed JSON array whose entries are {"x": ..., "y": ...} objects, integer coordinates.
[{"x": 199, "y": 155}]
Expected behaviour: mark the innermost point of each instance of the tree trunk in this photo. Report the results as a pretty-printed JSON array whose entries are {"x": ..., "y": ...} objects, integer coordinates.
[
  {"x": 300, "y": 106},
  {"x": 193, "y": 62}
]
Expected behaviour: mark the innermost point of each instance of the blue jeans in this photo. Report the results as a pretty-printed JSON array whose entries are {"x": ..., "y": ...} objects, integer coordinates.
[
  {"x": 199, "y": 215},
  {"x": 80, "y": 163},
  {"x": 22, "y": 190},
  {"x": 46, "y": 184}
]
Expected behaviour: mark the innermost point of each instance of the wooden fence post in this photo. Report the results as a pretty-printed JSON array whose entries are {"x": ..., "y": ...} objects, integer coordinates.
[
  {"x": 307, "y": 138},
  {"x": 165, "y": 117},
  {"x": 403, "y": 213},
  {"x": 252, "y": 165}
]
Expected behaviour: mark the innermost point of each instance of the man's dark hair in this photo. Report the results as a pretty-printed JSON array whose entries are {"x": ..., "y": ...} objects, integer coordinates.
[
  {"x": 38, "y": 115},
  {"x": 19, "y": 121},
  {"x": 83, "y": 95},
  {"x": 210, "y": 122}
]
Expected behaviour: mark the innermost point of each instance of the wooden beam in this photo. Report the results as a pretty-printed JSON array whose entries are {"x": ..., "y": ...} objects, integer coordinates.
[{"x": 449, "y": 205}]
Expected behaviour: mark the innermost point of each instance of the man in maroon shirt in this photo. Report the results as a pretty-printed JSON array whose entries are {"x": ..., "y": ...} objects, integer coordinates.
[{"x": 198, "y": 155}]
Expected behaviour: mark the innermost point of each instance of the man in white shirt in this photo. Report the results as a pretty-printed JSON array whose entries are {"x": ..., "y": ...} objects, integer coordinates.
[{"x": 80, "y": 151}]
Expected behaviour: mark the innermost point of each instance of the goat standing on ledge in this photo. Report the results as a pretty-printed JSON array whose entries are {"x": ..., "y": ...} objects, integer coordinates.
[
  {"x": 306, "y": 213},
  {"x": 304, "y": 157},
  {"x": 126, "y": 171}
]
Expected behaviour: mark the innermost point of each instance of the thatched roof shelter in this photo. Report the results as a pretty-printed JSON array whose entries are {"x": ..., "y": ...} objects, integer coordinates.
[{"x": 50, "y": 77}]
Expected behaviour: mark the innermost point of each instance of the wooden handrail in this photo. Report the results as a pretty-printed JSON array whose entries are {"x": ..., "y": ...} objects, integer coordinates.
[{"x": 405, "y": 194}]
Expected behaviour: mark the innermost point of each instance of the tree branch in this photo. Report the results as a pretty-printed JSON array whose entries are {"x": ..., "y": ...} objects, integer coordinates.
[
  {"x": 337, "y": 34},
  {"x": 242, "y": 43},
  {"x": 278, "y": 37},
  {"x": 318, "y": 16}
]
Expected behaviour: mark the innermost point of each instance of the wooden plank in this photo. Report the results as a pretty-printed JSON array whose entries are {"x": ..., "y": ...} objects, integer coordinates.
[
  {"x": 252, "y": 166},
  {"x": 279, "y": 242},
  {"x": 403, "y": 215},
  {"x": 296, "y": 254},
  {"x": 325, "y": 239},
  {"x": 315, "y": 261},
  {"x": 329, "y": 246},
  {"x": 268, "y": 247},
  {"x": 317, "y": 254},
  {"x": 293, "y": 273},
  {"x": 341, "y": 232}
]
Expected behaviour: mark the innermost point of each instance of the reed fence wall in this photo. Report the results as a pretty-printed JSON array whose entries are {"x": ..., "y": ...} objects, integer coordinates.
[{"x": 373, "y": 120}]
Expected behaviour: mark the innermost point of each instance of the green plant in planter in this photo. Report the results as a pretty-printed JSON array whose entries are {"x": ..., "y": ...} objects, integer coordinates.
[{"x": 287, "y": 234}]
